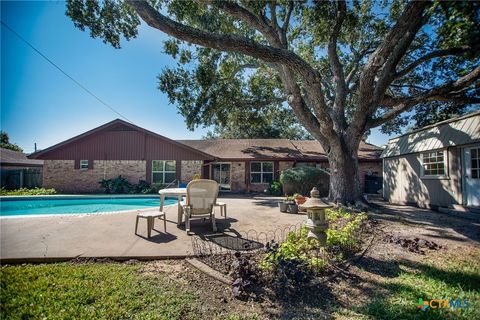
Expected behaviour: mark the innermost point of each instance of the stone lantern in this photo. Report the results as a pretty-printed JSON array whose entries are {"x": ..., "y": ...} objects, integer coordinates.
[{"x": 316, "y": 221}]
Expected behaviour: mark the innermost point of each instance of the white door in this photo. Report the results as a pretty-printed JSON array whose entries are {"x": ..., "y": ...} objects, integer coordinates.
[{"x": 472, "y": 176}]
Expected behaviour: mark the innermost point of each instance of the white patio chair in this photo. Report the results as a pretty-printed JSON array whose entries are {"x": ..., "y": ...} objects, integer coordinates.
[{"x": 201, "y": 197}]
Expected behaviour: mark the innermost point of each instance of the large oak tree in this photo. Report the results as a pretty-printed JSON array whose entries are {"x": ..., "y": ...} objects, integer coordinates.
[{"x": 342, "y": 68}]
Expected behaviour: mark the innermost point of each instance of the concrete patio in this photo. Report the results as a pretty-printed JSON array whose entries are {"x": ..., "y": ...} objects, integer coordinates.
[{"x": 112, "y": 235}]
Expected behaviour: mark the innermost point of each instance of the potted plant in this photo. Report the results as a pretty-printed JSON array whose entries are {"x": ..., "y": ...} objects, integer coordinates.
[
  {"x": 285, "y": 203},
  {"x": 293, "y": 208},
  {"x": 299, "y": 199}
]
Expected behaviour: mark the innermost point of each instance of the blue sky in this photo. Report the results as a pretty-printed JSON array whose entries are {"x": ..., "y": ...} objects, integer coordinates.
[{"x": 40, "y": 104}]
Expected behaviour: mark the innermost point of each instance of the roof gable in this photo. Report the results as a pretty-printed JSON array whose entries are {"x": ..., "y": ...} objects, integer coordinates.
[
  {"x": 115, "y": 125},
  {"x": 449, "y": 133}
]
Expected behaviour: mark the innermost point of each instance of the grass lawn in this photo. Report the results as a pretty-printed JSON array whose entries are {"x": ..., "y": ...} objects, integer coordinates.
[
  {"x": 450, "y": 276},
  {"x": 93, "y": 291},
  {"x": 120, "y": 291}
]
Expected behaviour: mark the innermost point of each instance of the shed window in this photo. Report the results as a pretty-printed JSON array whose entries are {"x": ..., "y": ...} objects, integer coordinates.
[
  {"x": 433, "y": 164},
  {"x": 83, "y": 164},
  {"x": 164, "y": 171},
  {"x": 475, "y": 163},
  {"x": 261, "y": 172}
]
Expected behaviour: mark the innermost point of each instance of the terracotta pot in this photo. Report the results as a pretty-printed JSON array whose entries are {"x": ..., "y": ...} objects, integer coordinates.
[{"x": 300, "y": 200}]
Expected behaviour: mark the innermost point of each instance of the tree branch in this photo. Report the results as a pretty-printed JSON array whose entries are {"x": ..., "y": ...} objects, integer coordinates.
[
  {"x": 223, "y": 42},
  {"x": 411, "y": 15},
  {"x": 273, "y": 14},
  {"x": 447, "y": 92},
  {"x": 432, "y": 55},
  {"x": 311, "y": 78},
  {"x": 286, "y": 20},
  {"x": 336, "y": 65},
  {"x": 250, "y": 18}
]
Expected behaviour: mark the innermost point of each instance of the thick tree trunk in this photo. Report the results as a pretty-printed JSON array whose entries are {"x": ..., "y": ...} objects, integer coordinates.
[{"x": 345, "y": 185}]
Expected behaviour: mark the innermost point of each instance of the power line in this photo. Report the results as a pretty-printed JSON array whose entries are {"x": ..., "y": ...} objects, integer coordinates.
[{"x": 66, "y": 74}]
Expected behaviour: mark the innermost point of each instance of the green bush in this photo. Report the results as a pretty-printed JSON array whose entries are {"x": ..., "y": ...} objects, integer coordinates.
[
  {"x": 119, "y": 185},
  {"x": 344, "y": 230},
  {"x": 302, "y": 179},
  {"x": 143, "y": 187},
  {"x": 275, "y": 188},
  {"x": 27, "y": 192},
  {"x": 296, "y": 247},
  {"x": 299, "y": 251}
]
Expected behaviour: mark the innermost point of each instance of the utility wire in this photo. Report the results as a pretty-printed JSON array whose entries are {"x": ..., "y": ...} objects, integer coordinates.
[{"x": 66, "y": 74}]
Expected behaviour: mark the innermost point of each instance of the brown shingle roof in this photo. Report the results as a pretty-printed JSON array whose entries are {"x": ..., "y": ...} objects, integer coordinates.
[
  {"x": 272, "y": 149},
  {"x": 13, "y": 158}
]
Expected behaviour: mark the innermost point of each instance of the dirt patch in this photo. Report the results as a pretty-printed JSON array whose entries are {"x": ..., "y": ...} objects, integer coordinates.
[
  {"x": 415, "y": 245},
  {"x": 398, "y": 244}
]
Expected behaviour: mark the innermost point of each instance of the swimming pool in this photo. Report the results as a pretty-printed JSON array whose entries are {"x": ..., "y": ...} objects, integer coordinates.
[{"x": 75, "y": 205}]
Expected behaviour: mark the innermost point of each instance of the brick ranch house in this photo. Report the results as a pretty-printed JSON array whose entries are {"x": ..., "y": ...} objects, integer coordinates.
[{"x": 121, "y": 148}]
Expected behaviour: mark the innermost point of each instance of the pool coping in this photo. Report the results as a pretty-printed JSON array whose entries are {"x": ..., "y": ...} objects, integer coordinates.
[
  {"x": 23, "y": 216},
  {"x": 78, "y": 196}
]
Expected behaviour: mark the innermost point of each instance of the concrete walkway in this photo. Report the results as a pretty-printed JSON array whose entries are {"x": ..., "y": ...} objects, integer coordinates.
[{"x": 112, "y": 235}]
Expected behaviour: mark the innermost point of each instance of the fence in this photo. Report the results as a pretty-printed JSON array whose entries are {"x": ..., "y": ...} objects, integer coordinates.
[
  {"x": 21, "y": 178},
  {"x": 230, "y": 242}
]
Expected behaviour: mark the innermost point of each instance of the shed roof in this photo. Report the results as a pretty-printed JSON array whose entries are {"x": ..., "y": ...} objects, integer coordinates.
[
  {"x": 272, "y": 149},
  {"x": 454, "y": 132},
  {"x": 15, "y": 158}
]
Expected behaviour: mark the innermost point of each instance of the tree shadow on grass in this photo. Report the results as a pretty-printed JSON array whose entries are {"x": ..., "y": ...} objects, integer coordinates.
[
  {"x": 301, "y": 302},
  {"x": 397, "y": 297},
  {"x": 394, "y": 296}
]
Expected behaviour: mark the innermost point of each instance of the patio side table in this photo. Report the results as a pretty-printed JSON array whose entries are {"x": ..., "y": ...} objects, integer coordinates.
[
  {"x": 150, "y": 216},
  {"x": 223, "y": 208}
]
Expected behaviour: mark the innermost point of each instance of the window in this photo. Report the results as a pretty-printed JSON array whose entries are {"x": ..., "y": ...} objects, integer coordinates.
[
  {"x": 83, "y": 164},
  {"x": 261, "y": 172},
  {"x": 433, "y": 164},
  {"x": 475, "y": 163},
  {"x": 164, "y": 171}
]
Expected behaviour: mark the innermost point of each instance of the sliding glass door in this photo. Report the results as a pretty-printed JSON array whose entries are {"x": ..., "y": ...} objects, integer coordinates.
[{"x": 221, "y": 174}]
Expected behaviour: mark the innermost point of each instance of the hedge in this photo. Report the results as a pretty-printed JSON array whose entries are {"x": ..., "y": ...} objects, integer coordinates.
[{"x": 302, "y": 179}]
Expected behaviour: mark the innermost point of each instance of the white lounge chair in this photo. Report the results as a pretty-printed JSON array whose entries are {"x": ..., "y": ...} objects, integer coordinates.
[{"x": 201, "y": 197}]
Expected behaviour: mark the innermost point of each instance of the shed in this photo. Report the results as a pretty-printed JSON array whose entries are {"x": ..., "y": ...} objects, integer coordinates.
[{"x": 437, "y": 165}]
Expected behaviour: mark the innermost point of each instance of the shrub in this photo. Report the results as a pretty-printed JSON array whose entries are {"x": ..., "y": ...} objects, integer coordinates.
[
  {"x": 143, "y": 187},
  {"x": 243, "y": 273},
  {"x": 27, "y": 192},
  {"x": 117, "y": 185},
  {"x": 275, "y": 188},
  {"x": 344, "y": 230},
  {"x": 302, "y": 179},
  {"x": 295, "y": 258},
  {"x": 298, "y": 256}
]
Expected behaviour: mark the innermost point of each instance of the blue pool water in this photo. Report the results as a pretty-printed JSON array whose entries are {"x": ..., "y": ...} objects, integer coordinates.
[{"x": 38, "y": 206}]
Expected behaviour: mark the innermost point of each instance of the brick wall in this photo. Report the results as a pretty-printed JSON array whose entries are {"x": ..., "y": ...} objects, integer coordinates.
[
  {"x": 238, "y": 176},
  {"x": 61, "y": 174},
  {"x": 284, "y": 165},
  {"x": 189, "y": 169}
]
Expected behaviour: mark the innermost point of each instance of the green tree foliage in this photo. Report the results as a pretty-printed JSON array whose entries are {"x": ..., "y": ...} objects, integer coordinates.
[
  {"x": 5, "y": 142},
  {"x": 302, "y": 180},
  {"x": 342, "y": 68},
  {"x": 268, "y": 122}
]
